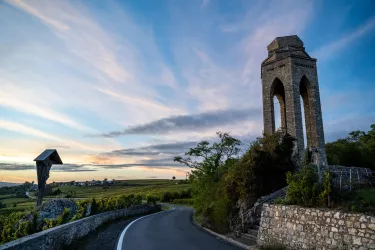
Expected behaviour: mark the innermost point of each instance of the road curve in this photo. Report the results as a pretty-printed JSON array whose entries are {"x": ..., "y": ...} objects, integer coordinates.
[{"x": 170, "y": 230}]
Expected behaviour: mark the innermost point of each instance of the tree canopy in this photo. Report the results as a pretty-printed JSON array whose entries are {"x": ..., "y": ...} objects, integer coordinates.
[{"x": 357, "y": 149}]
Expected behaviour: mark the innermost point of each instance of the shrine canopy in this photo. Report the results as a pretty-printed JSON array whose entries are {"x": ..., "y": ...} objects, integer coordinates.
[{"x": 49, "y": 155}]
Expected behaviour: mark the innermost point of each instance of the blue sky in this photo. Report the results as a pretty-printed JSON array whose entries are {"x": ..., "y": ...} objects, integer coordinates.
[{"x": 120, "y": 87}]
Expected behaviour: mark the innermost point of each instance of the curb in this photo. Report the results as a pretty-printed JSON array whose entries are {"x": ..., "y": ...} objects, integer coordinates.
[{"x": 227, "y": 239}]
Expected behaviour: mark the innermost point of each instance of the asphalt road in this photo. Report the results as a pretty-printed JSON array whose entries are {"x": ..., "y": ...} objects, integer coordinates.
[{"x": 169, "y": 230}]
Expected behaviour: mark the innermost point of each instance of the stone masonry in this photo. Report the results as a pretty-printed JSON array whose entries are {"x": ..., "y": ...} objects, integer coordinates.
[
  {"x": 311, "y": 228},
  {"x": 288, "y": 73}
]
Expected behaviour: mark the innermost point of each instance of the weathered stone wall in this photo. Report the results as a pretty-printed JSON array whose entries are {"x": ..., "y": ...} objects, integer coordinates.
[
  {"x": 60, "y": 236},
  {"x": 310, "y": 228}
]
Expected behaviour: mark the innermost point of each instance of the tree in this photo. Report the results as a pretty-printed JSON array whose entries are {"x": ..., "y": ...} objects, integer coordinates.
[
  {"x": 204, "y": 156},
  {"x": 221, "y": 179},
  {"x": 174, "y": 178},
  {"x": 357, "y": 149},
  {"x": 209, "y": 165}
]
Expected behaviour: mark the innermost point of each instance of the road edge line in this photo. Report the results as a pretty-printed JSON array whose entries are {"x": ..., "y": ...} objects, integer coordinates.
[{"x": 121, "y": 239}]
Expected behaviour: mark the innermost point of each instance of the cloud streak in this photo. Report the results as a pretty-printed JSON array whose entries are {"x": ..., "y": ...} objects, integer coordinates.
[
  {"x": 328, "y": 50},
  {"x": 54, "y": 168},
  {"x": 173, "y": 148},
  {"x": 27, "y": 130},
  {"x": 195, "y": 122}
]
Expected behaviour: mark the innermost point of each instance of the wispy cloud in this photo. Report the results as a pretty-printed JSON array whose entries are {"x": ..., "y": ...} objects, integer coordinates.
[
  {"x": 27, "y": 130},
  {"x": 153, "y": 163},
  {"x": 35, "y": 12},
  {"x": 172, "y": 148},
  {"x": 196, "y": 122},
  {"x": 38, "y": 110},
  {"x": 332, "y": 48},
  {"x": 80, "y": 32},
  {"x": 54, "y": 168}
]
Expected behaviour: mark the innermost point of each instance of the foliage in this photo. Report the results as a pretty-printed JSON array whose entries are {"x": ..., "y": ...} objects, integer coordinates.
[
  {"x": 357, "y": 149},
  {"x": 61, "y": 219},
  {"x": 151, "y": 199},
  {"x": 16, "y": 191},
  {"x": 183, "y": 201},
  {"x": 15, "y": 225},
  {"x": 220, "y": 178},
  {"x": 170, "y": 196},
  {"x": 71, "y": 194},
  {"x": 306, "y": 189},
  {"x": 56, "y": 192},
  {"x": 262, "y": 169},
  {"x": 362, "y": 201},
  {"x": 210, "y": 163},
  {"x": 82, "y": 208}
]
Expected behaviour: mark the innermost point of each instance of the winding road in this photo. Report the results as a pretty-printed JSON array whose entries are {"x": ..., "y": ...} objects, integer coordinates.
[{"x": 169, "y": 230}]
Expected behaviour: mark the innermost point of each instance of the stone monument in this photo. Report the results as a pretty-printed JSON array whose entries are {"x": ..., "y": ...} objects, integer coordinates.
[{"x": 289, "y": 73}]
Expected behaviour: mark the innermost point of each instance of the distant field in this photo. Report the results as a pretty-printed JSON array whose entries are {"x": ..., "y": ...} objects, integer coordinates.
[{"x": 142, "y": 187}]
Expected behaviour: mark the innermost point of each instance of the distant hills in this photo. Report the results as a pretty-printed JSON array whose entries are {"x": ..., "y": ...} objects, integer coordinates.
[{"x": 8, "y": 184}]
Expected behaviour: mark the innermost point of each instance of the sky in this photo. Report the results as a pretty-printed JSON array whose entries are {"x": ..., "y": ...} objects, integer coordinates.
[{"x": 121, "y": 87}]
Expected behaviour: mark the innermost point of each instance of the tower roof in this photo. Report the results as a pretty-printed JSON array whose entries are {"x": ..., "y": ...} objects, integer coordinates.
[
  {"x": 286, "y": 46},
  {"x": 285, "y": 41}
]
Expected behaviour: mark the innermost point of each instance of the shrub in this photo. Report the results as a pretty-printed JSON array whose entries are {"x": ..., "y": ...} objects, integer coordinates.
[
  {"x": 305, "y": 189},
  {"x": 150, "y": 199},
  {"x": 166, "y": 197},
  {"x": 183, "y": 201},
  {"x": 185, "y": 194},
  {"x": 61, "y": 219},
  {"x": 57, "y": 192},
  {"x": 361, "y": 201},
  {"x": 10, "y": 227}
]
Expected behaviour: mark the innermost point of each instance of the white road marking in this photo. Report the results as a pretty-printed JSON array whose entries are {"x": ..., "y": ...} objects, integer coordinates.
[{"x": 119, "y": 244}]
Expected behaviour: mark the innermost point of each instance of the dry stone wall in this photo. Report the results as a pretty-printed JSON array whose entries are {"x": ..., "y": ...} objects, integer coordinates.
[
  {"x": 60, "y": 236},
  {"x": 310, "y": 228}
]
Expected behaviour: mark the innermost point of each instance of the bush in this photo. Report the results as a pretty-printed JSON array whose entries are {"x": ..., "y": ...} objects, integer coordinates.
[
  {"x": 220, "y": 178},
  {"x": 183, "y": 201},
  {"x": 166, "y": 197},
  {"x": 56, "y": 192},
  {"x": 150, "y": 199},
  {"x": 360, "y": 201},
  {"x": 11, "y": 229},
  {"x": 305, "y": 189},
  {"x": 70, "y": 194},
  {"x": 62, "y": 219}
]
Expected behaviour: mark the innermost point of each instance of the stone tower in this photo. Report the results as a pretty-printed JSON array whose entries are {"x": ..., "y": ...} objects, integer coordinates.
[{"x": 289, "y": 73}]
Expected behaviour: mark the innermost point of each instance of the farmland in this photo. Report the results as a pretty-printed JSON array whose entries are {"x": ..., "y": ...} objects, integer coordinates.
[{"x": 155, "y": 187}]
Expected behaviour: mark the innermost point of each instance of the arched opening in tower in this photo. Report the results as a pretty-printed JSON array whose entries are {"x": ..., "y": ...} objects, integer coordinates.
[
  {"x": 304, "y": 89},
  {"x": 279, "y": 108}
]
